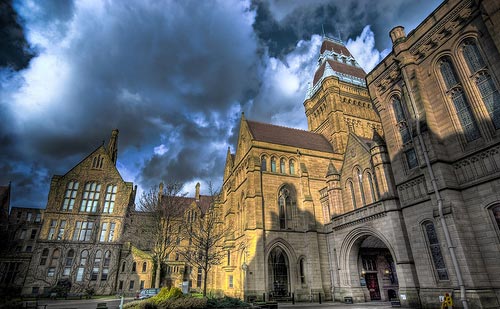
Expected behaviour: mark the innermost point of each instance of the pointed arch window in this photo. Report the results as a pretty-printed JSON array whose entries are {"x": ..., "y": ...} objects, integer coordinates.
[
  {"x": 134, "y": 267},
  {"x": 402, "y": 121},
  {"x": 286, "y": 201},
  {"x": 98, "y": 162},
  {"x": 302, "y": 272},
  {"x": 144, "y": 267},
  {"x": 360, "y": 184},
  {"x": 282, "y": 166},
  {"x": 69, "y": 262},
  {"x": 84, "y": 255},
  {"x": 97, "y": 265},
  {"x": 484, "y": 82},
  {"x": 496, "y": 215},
  {"x": 90, "y": 198},
  {"x": 70, "y": 195},
  {"x": 263, "y": 163},
  {"x": 460, "y": 103},
  {"x": 105, "y": 266},
  {"x": 109, "y": 201},
  {"x": 435, "y": 251},
  {"x": 350, "y": 187},
  {"x": 273, "y": 164},
  {"x": 292, "y": 167},
  {"x": 372, "y": 188}
]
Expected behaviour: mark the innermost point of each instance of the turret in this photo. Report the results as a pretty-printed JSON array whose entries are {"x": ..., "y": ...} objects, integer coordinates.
[
  {"x": 334, "y": 190},
  {"x": 197, "y": 192},
  {"x": 113, "y": 146}
]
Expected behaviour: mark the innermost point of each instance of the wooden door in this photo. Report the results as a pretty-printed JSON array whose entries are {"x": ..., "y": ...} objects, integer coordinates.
[{"x": 372, "y": 285}]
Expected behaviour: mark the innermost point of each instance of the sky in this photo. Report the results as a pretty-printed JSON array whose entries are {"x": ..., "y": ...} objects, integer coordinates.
[{"x": 172, "y": 76}]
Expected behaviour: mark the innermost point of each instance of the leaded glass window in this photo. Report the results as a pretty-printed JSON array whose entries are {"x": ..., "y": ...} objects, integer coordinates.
[
  {"x": 496, "y": 214},
  {"x": 70, "y": 195},
  {"x": 282, "y": 166},
  {"x": 109, "y": 201},
  {"x": 69, "y": 262},
  {"x": 462, "y": 106},
  {"x": 489, "y": 95},
  {"x": 285, "y": 205},
  {"x": 90, "y": 198},
  {"x": 263, "y": 163},
  {"x": 401, "y": 119},
  {"x": 292, "y": 167},
  {"x": 360, "y": 184},
  {"x": 97, "y": 265},
  {"x": 411, "y": 158},
  {"x": 83, "y": 230},
  {"x": 273, "y": 164},
  {"x": 473, "y": 56},
  {"x": 435, "y": 250},
  {"x": 353, "y": 196},
  {"x": 372, "y": 188}
]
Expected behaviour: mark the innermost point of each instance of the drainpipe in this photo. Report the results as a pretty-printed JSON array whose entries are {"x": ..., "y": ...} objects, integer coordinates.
[{"x": 439, "y": 199}]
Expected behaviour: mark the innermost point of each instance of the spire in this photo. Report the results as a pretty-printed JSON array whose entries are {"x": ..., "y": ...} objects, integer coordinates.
[
  {"x": 377, "y": 138},
  {"x": 331, "y": 170},
  {"x": 113, "y": 146},
  {"x": 197, "y": 194}
]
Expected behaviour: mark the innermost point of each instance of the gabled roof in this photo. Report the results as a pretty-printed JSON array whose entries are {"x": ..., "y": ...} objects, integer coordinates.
[
  {"x": 269, "y": 133},
  {"x": 338, "y": 48}
]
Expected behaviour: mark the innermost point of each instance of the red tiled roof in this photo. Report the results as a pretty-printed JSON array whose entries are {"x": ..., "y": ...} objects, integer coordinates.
[
  {"x": 336, "y": 47},
  {"x": 341, "y": 68},
  {"x": 265, "y": 132}
]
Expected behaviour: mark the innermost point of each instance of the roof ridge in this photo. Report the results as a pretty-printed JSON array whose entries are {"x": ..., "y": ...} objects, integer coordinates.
[{"x": 276, "y": 125}]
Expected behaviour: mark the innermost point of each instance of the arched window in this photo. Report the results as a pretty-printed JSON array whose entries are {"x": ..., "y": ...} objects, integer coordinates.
[
  {"x": 372, "y": 188},
  {"x": 286, "y": 201},
  {"x": 70, "y": 195},
  {"x": 134, "y": 267},
  {"x": 484, "y": 82},
  {"x": 302, "y": 272},
  {"x": 54, "y": 263},
  {"x": 273, "y": 164},
  {"x": 401, "y": 119},
  {"x": 292, "y": 167},
  {"x": 84, "y": 255},
  {"x": 496, "y": 214},
  {"x": 45, "y": 255},
  {"x": 350, "y": 187},
  {"x": 124, "y": 264},
  {"x": 109, "y": 201},
  {"x": 144, "y": 267},
  {"x": 359, "y": 175},
  {"x": 97, "y": 265},
  {"x": 105, "y": 266},
  {"x": 278, "y": 272},
  {"x": 282, "y": 166},
  {"x": 462, "y": 107},
  {"x": 69, "y": 262},
  {"x": 90, "y": 198},
  {"x": 435, "y": 251},
  {"x": 263, "y": 163}
]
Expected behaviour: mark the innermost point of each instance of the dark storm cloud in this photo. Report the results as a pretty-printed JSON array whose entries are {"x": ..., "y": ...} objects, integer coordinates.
[
  {"x": 280, "y": 24},
  {"x": 14, "y": 50},
  {"x": 172, "y": 76}
]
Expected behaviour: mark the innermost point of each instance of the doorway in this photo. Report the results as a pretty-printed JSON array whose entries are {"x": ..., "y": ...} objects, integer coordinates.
[{"x": 278, "y": 273}]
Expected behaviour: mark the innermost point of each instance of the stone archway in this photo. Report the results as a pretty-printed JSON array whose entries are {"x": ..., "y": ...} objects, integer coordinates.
[{"x": 278, "y": 273}]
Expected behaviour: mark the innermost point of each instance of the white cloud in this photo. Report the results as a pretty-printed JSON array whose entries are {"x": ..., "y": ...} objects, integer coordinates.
[
  {"x": 160, "y": 150},
  {"x": 364, "y": 51}
]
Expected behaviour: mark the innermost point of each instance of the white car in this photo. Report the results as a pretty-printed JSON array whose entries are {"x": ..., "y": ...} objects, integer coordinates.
[{"x": 147, "y": 293}]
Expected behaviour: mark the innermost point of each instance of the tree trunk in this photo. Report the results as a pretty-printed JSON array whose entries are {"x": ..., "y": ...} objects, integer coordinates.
[
  {"x": 157, "y": 275},
  {"x": 205, "y": 284}
]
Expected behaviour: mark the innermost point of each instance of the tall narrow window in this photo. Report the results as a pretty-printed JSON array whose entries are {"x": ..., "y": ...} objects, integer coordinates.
[
  {"x": 105, "y": 266},
  {"x": 144, "y": 267},
  {"x": 104, "y": 230},
  {"x": 52, "y": 229},
  {"x": 97, "y": 265},
  {"x": 124, "y": 264},
  {"x": 496, "y": 214},
  {"x": 273, "y": 164},
  {"x": 292, "y": 167},
  {"x": 62, "y": 227},
  {"x": 286, "y": 201},
  {"x": 372, "y": 188},
  {"x": 90, "y": 198},
  {"x": 401, "y": 119},
  {"x": 69, "y": 262},
  {"x": 111, "y": 234},
  {"x": 109, "y": 202},
  {"x": 435, "y": 250},
  {"x": 83, "y": 230},
  {"x": 70, "y": 195},
  {"x": 84, "y": 255},
  {"x": 484, "y": 82},
  {"x": 462, "y": 107},
  {"x": 45, "y": 255},
  {"x": 302, "y": 271},
  {"x": 263, "y": 163},
  {"x": 282, "y": 166},
  {"x": 54, "y": 263},
  {"x": 351, "y": 192},
  {"x": 134, "y": 267},
  {"x": 360, "y": 184}
]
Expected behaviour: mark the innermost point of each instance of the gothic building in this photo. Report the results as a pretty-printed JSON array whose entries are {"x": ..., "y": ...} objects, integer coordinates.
[{"x": 392, "y": 193}]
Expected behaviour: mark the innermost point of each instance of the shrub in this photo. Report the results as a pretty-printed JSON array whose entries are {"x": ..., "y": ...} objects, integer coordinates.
[
  {"x": 166, "y": 294},
  {"x": 225, "y": 302},
  {"x": 183, "y": 303},
  {"x": 140, "y": 304}
]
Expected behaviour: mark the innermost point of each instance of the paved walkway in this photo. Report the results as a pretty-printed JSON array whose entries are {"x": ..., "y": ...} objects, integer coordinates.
[{"x": 337, "y": 305}]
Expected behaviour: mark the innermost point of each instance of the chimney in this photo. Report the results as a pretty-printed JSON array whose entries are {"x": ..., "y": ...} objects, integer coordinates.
[
  {"x": 197, "y": 194},
  {"x": 113, "y": 146}
]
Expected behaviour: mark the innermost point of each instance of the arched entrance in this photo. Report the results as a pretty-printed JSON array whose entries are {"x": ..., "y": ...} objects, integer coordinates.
[
  {"x": 278, "y": 273},
  {"x": 373, "y": 264}
]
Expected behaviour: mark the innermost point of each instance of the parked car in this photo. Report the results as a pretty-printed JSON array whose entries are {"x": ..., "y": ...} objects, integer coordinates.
[{"x": 146, "y": 293}]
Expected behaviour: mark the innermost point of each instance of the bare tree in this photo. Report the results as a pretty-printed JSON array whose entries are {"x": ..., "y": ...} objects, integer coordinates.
[
  {"x": 207, "y": 233},
  {"x": 164, "y": 208}
]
